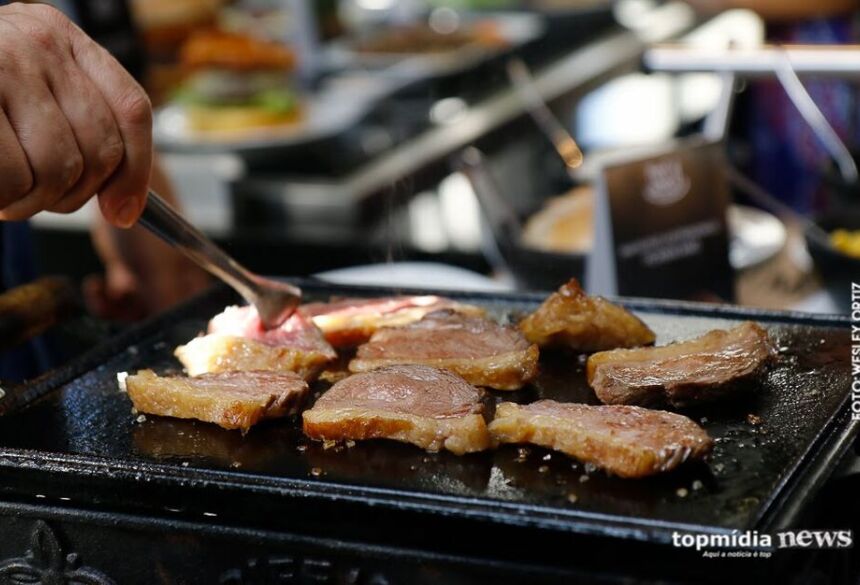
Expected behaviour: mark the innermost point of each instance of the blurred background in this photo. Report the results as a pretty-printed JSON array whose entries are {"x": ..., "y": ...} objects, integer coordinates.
[{"x": 327, "y": 136}]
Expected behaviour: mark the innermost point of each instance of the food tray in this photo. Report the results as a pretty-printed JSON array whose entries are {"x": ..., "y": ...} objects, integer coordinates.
[{"x": 72, "y": 439}]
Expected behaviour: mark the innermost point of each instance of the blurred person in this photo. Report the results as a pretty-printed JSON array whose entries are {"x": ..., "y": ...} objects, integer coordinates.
[
  {"x": 74, "y": 125},
  {"x": 787, "y": 158}
]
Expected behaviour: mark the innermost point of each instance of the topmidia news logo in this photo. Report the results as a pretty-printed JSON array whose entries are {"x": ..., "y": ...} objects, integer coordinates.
[{"x": 752, "y": 543}]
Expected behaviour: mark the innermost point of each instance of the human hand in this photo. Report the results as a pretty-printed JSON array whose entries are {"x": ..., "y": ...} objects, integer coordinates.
[{"x": 73, "y": 122}]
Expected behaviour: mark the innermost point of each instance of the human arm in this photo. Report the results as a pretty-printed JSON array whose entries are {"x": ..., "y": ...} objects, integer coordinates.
[{"x": 142, "y": 275}]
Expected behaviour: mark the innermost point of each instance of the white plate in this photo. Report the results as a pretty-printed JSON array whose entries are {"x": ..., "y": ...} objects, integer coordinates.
[
  {"x": 339, "y": 105},
  {"x": 756, "y": 236}
]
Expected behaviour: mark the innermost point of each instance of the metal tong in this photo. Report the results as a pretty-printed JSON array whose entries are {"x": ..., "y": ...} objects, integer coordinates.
[{"x": 275, "y": 301}]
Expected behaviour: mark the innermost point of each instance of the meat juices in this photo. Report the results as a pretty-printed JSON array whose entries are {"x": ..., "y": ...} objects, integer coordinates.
[
  {"x": 350, "y": 322},
  {"x": 428, "y": 407},
  {"x": 236, "y": 341},
  {"x": 232, "y": 400},
  {"x": 481, "y": 351},
  {"x": 572, "y": 319},
  {"x": 627, "y": 441},
  {"x": 679, "y": 374}
]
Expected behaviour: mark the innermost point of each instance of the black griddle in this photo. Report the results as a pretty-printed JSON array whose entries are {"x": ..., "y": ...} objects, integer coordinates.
[{"x": 73, "y": 453}]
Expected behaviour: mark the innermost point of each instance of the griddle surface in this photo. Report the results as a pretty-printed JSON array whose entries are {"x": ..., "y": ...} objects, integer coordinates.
[{"x": 90, "y": 423}]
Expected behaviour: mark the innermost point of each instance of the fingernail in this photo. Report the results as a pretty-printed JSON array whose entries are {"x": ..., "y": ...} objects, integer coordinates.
[{"x": 126, "y": 215}]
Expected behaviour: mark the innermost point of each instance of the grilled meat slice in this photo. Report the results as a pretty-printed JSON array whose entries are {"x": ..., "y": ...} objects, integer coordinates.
[
  {"x": 627, "y": 441},
  {"x": 570, "y": 318},
  {"x": 236, "y": 341},
  {"x": 679, "y": 374},
  {"x": 233, "y": 400},
  {"x": 428, "y": 407},
  {"x": 350, "y": 322},
  {"x": 225, "y": 353},
  {"x": 481, "y": 351}
]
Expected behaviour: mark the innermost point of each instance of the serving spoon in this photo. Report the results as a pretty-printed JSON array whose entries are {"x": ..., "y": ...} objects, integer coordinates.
[{"x": 275, "y": 301}]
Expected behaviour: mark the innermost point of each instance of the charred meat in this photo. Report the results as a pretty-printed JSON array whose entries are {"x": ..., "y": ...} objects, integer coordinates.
[
  {"x": 572, "y": 319},
  {"x": 481, "y": 351},
  {"x": 428, "y": 407},
  {"x": 350, "y": 322},
  {"x": 236, "y": 341},
  {"x": 679, "y": 374},
  {"x": 627, "y": 441},
  {"x": 232, "y": 400}
]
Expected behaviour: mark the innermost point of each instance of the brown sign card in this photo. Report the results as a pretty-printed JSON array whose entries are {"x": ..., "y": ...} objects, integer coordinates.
[{"x": 660, "y": 226}]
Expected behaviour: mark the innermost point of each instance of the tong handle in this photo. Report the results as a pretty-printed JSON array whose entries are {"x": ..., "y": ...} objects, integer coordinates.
[{"x": 165, "y": 222}]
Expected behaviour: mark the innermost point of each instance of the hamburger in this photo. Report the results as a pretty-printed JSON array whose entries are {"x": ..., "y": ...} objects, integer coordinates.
[
  {"x": 166, "y": 24},
  {"x": 237, "y": 82}
]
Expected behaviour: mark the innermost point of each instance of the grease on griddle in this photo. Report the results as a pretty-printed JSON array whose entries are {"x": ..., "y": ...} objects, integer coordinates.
[{"x": 88, "y": 417}]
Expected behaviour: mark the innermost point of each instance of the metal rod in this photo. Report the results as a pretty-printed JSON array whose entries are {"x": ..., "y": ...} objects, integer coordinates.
[
  {"x": 829, "y": 60},
  {"x": 716, "y": 125},
  {"x": 786, "y": 63},
  {"x": 548, "y": 123},
  {"x": 762, "y": 197},
  {"x": 804, "y": 103},
  {"x": 501, "y": 219}
]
